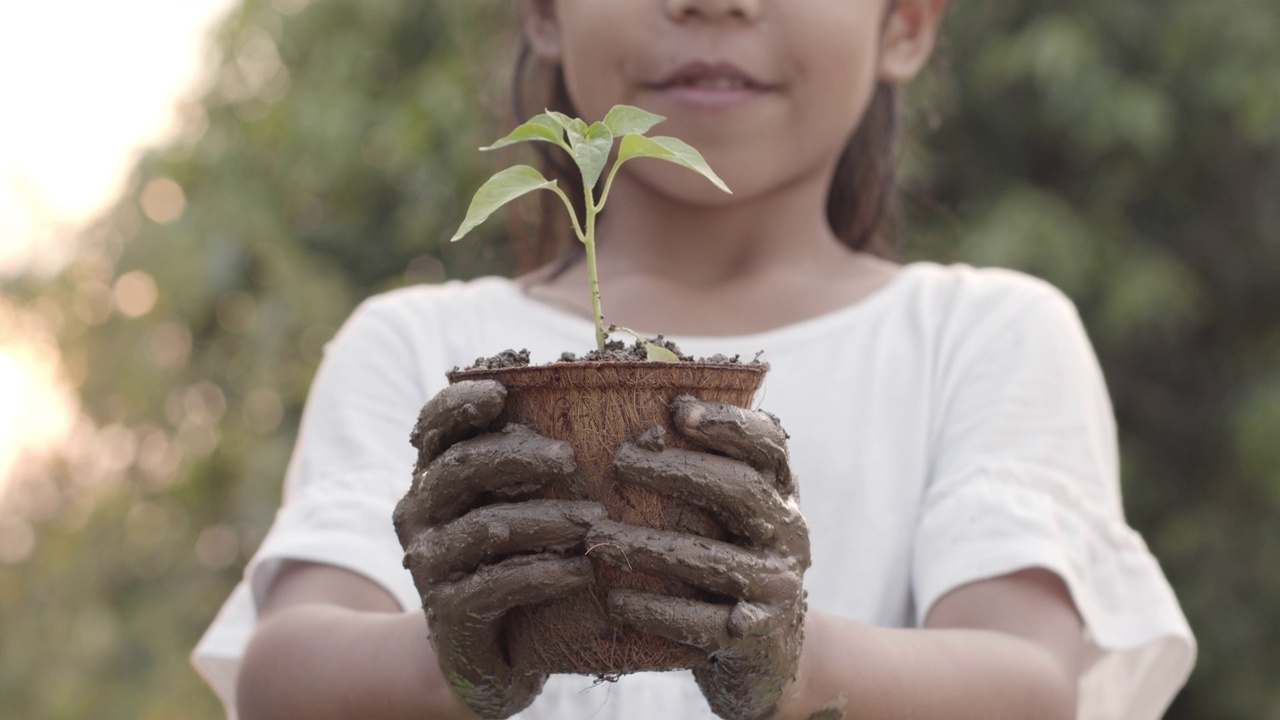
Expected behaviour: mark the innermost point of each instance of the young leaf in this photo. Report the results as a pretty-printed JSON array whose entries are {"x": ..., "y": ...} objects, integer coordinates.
[
  {"x": 653, "y": 352},
  {"x": 592, "y": 152},
  {"x": 560, "y": 118},
  {"x": 574, "y": 127},
  {"x": 499, "y": 190},
  {"x": 671, "y": 150},
  {"x": 630, "y": 120},
  {"x": 540, "y": 127}
]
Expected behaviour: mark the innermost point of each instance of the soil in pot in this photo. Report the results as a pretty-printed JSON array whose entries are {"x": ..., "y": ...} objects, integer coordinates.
[{"x": 595, "y": 405}]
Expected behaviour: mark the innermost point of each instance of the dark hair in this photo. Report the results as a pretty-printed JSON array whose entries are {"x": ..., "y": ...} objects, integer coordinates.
[
  {"x": 863, "y": 191},
  {"x": 552, "y": 235}
]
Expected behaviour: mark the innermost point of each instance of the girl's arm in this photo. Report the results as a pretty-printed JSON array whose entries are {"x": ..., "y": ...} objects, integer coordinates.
[
  {"x": 999, "y": 649},
  {"x": 332, "y": 644},
  {"x": 1007, "y": 647}
]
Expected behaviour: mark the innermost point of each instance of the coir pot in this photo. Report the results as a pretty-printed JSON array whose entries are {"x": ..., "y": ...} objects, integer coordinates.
[{"x": 595, "y": 406}]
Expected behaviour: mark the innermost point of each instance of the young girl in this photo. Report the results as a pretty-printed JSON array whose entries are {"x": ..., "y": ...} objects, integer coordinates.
[{"x": 948, "y": 428}]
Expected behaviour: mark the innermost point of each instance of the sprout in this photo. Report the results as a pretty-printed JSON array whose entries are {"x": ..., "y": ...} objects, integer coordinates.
[{"x": 589, "y": 146}]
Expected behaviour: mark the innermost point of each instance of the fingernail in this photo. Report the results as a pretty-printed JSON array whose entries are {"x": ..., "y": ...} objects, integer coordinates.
[{"x": 690, "y": 412}]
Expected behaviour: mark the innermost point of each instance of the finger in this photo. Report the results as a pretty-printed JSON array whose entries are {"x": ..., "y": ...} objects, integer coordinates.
[
  {"x": 466, "y": 620},
  {"x": 459, "y": 411},
  {"x": 732, "y": 491},
  {"x": 492, "y": 590},
  {"x": 510, "y": 465},
  {"x": 487, "y": 684},
  {"x": 473, "y": 661},
  {"x": 494, "y": 531},
  {"x": 694, "y": 623},
  {"x": 475, "y": 667},
  {"x": 752, "y": 436},
  {"x": 753, "y": 619},
  {"x": 718, "y": 567}
]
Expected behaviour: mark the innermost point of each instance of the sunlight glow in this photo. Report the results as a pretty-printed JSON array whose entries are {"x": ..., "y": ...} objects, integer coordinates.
[
  {"x": 36, "y": 410},
  {"x": 88, "y": 84},
  {"x": 13, "y": 390}
]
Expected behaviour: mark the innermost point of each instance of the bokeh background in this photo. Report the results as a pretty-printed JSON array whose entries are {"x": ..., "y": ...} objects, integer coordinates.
[{"x": 153, "y": 365}]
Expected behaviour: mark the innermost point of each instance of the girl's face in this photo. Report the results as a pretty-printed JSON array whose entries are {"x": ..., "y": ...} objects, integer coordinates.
[{"x": 768, "y": 91}]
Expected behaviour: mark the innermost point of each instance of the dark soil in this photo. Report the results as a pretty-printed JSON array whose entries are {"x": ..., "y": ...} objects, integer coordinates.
[
  {"x": 614, "y": 351},
  {"x": 504, "y": 359},
  {"x": 619, "y": 351}
]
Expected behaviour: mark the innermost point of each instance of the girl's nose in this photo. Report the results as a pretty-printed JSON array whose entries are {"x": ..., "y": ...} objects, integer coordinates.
[{"x": 713, "y": 9}]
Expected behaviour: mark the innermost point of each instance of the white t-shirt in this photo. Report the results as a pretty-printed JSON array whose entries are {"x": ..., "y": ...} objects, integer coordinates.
[{"x": 953, "y": 426}]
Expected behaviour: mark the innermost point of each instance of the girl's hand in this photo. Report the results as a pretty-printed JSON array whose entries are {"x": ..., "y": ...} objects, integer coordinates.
[
  {"x": 471, "y": 561},
  {"x": 753, "y": 639}
]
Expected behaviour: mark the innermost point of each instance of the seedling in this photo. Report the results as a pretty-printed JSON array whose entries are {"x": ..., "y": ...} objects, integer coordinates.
[{"x": 589, "y": 146}]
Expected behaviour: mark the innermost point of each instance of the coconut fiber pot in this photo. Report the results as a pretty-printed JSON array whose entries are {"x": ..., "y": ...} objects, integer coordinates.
[{"x": 595, "y": 406}]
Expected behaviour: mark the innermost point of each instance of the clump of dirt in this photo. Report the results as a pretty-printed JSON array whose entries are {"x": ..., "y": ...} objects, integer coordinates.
[
  {"x": 504, "y": 359},
  {"x": 618, "y": 351}
]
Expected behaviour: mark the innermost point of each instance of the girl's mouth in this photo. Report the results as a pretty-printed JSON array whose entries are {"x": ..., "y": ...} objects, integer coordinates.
[{"x": 703, "y": 85}]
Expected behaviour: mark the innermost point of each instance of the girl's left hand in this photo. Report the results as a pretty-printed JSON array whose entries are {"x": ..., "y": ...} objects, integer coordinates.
[{"x": 744, "y": 480}]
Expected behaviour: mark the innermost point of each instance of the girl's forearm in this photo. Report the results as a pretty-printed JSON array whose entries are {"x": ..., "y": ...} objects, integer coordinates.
[
  {"x": 325, "y": 662},
  {"x": 957, "y": 674}
]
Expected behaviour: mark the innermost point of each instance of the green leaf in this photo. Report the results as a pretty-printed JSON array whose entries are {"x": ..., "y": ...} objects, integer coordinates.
[
  {"x": 585, "y": 150},
  {"x": 656, "y": 353},
  {"x": 653, "y": 352},
  {"x": 564, "y": 121},
  {"x": 574, "y": 127},
  {"x": 540, "y": 127},
  {"x": 592, "y": 152},
  {"x": 671, "y": 150},
  {"x": 630, "y": 120},
  {"x": 499, "y": 190}
]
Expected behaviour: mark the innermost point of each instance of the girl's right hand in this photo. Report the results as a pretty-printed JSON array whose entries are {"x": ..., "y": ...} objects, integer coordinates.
[{"x": 477, "y": 548}]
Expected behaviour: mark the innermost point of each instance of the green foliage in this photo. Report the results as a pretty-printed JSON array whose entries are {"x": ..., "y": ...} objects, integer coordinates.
[
  {"x": 1128, "y": 152},
  {"x": 324, "y": 163}
]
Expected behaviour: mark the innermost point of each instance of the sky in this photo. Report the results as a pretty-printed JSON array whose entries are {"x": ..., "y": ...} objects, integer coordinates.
[{"x": 85, "y": 85}]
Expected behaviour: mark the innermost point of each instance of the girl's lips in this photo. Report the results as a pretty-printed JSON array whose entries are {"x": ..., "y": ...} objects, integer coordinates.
[
  {"x": 709, "y": 85},
  {"x": 709, "y": 97}
]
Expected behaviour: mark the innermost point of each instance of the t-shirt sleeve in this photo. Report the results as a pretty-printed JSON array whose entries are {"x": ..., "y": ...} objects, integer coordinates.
[
  {"x": 351, "y": 464},
  {"x": 1026, "y": 475}
]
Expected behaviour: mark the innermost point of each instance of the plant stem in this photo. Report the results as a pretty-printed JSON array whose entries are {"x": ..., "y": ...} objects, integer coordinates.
[
  {"x": 573, "y": 214},
  {"x": 590, "y": 242}
]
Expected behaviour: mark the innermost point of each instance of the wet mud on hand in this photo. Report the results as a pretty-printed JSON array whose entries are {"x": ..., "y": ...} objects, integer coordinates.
[
  {"x": 476, "y": 548},
  {"x": 753, "y": 632}
]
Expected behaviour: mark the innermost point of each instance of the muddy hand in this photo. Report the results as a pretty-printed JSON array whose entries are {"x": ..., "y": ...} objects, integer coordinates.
[
  {"x": 477, "y": 548},
  {"x": 744, "y": 480}
]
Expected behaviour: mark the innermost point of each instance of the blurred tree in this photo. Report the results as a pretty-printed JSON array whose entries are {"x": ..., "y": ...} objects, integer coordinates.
[
  {"x": 1131, "y": 155},
  {"x": 323, "y": 164},
  {"x": 1128, "y": 153}
]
